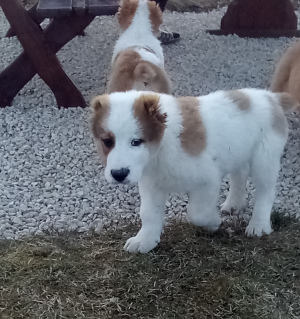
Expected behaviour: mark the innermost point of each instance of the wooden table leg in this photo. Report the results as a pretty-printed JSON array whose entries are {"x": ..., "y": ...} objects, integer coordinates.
[
  {"x": 35, "y": 18},
  {"x": 41, "y": 56},
  {"x": 21, "y": 71}
]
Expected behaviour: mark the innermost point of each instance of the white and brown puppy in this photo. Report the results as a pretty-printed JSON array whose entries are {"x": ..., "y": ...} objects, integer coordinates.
[
  {"x": 187, "y": 145},
  {"x": 138, "y": 61},
  {"x": 287, "y": 74}
]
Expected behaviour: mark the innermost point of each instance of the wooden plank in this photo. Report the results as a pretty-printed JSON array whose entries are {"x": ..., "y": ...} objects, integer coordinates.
[
  {"x": 79, "y": 6},
  {"x": 102, "y": 7},
  {"x": 54, "y": 8}
]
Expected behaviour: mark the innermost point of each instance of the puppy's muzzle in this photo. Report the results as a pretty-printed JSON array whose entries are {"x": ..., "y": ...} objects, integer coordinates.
[{"x": 119, "y": 174}]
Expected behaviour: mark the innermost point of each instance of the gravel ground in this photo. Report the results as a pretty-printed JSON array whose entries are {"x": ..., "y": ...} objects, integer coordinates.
[{"x": 50, "y": 177}]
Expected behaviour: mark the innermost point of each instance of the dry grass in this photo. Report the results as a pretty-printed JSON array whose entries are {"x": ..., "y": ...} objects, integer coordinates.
[{"x": 192, "y": 274}]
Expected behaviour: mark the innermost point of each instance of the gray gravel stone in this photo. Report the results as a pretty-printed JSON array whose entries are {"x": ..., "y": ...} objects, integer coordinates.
[{"x": 50, "y": 176}]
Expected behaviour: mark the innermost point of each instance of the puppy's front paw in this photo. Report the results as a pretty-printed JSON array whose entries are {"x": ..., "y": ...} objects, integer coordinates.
[
  {"x": 228, "y": 206},
  {"x": 258, "y": 229},
  {"x": 141, "y": 244}
]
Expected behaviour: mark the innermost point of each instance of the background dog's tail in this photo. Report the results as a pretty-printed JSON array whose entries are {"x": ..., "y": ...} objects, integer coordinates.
[
  {"x": 144, "y": 73},
  {"x": 288, "y": 102},
  {"x": 149, "y": 76}
]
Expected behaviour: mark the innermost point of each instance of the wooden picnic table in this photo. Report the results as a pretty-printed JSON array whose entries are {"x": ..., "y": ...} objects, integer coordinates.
[{"x": 68, "y": 19}]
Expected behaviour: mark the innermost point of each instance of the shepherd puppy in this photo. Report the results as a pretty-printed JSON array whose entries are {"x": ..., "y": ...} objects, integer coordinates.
[
  {"x": 287, "y": 74},
  {"x": 187, "y": 145},
  {"x": 138, "y": 61}
]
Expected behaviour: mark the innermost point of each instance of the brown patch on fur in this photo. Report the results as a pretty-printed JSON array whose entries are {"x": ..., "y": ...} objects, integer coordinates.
[
  {"x": 240, "y": 98},
  {"x": 155, "y": 16},
  {"x": 100, "y": 107},
  {"x": 287, "y": 73},
  {"x": 279, "y": 122},
  {"x": 126, "y": 12},
  {"x": 121, "y": 78},
  {"x": 147, "y": 112},
  {"x": 129, "y": 71},
  {"x": 193, "y": 134}
]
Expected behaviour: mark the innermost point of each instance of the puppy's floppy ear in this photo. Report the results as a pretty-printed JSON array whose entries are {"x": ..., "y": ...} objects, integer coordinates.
[
  {"x": 100, "y": 102},
  {"x": 120, "y": 8},
  {"x": 152, "y": 108},
  {"x": 126, "y": 12},
  {"x": 147, "y": 112},
  {"x": 100, "y": 106},
  {"x": 155, "y": 16}
]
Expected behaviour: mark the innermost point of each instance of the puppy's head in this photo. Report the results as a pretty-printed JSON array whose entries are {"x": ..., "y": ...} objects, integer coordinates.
[
  {"x": 147, "y": 9},
  {"x": 127, "y": 129}
]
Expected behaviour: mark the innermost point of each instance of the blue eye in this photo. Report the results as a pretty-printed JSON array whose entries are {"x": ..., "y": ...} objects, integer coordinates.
[{"x": 137, "y": 142}]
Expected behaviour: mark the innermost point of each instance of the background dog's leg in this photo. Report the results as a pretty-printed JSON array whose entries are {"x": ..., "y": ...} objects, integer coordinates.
[
  {"x": 264, "y": 172},
  {"x": 202, "y": 209},
  {"x": 152, "y": 214},
  {"x": 236, "y": 198}
]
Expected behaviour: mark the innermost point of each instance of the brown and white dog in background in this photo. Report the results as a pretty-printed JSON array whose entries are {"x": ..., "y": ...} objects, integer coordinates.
[
  {"x": 287, "y": 73},
  {"x": 138, "y": 61}
]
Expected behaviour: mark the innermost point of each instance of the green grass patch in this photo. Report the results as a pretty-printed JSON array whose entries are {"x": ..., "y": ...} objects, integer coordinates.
[{"x": 191, "y": 274}]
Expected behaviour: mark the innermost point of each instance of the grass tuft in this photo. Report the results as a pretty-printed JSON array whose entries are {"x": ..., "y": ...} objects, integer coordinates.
[{"x": 281, "y": 220}]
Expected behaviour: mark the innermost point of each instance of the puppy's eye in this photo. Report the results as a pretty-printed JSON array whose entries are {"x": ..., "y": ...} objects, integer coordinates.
[
  {"x": 146, "y": 84},
  {"x": 137, "y": 142},
  {"x": 108, "y": 142}
]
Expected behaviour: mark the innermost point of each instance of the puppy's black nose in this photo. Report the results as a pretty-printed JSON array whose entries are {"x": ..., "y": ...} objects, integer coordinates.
[{"x": 119, "y": 174}]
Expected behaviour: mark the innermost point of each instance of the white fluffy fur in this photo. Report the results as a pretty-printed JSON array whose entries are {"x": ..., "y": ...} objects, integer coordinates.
[
  {"x": 140, "y": 34},
  {"x": 239, "y": 142}
]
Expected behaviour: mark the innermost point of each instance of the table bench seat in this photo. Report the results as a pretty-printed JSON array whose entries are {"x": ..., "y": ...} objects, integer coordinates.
[{"x": 62, "y": 8}]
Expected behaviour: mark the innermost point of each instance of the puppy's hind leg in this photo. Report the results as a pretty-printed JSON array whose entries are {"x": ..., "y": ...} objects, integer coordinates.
[
  {"x": 236, "y": 198},
  {"x": 202, "y": 209},
  {"x": 264, "y": 172}
]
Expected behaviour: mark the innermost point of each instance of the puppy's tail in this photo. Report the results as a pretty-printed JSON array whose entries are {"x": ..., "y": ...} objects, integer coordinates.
[
  {"x": 288, "y": 102},
  {"x": 150, "y": 77},
  {"x": 144, "y": 72}
]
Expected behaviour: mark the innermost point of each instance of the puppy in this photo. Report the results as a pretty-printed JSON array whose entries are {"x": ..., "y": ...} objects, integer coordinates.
[
  {"x": 138, "y": 61},
  {"x": 187, "y": 145},
  {"x": 287, "y": 74}
]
